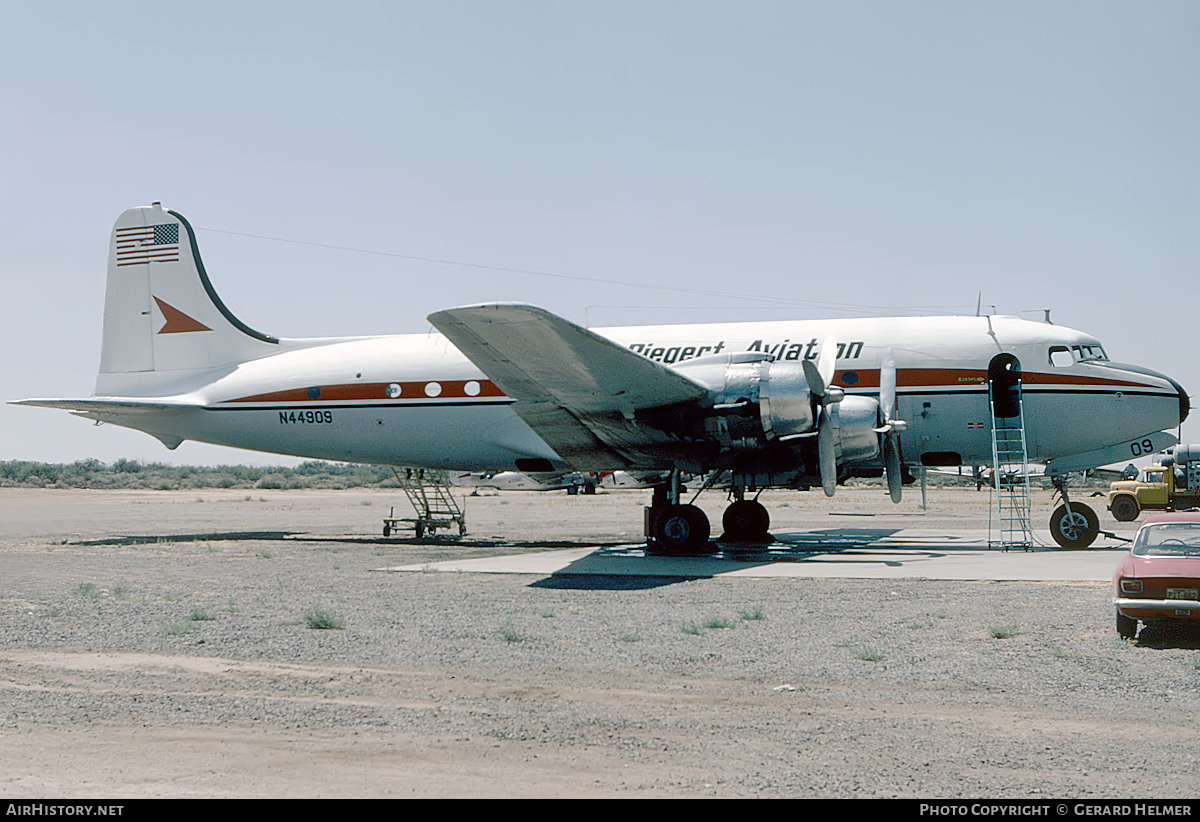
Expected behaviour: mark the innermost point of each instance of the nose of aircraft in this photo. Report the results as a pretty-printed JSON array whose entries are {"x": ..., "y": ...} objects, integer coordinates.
[{"x": 1185, "y": 404}]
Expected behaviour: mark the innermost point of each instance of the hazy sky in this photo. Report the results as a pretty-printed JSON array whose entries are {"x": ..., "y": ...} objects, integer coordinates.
[{"x": 842, "y": 158}]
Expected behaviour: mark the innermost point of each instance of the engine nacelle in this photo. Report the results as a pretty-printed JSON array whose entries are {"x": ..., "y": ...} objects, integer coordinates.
[
  {"x": 753, "y": 400},
  {"x": 856, "y": 439},
  {"x": 756, "y": 401}
]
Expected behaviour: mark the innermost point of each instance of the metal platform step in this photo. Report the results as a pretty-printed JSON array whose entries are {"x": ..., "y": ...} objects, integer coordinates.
[{"x": 428, "y": 492}]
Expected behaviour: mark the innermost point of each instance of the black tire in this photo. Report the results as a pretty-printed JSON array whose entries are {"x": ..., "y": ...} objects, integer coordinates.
[
  {"x": 1125, "y": 508},
  {"x": 746, "y": 521},
  {"x": 682, "y": 529},
  {"x": 1127, "y": 627},
  {"x": 387, "y": 530},
  {"x": 1075, "y": 529}
]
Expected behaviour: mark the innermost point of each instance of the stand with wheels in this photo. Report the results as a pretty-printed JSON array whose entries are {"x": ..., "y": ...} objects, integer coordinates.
[{"x": 429, "y": 494}]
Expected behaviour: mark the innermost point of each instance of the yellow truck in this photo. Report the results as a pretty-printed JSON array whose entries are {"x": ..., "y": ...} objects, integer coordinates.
[{"x": 1172, "y": 486}]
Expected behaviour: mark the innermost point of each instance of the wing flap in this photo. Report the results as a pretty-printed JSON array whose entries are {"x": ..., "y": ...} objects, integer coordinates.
[
  {"x": 535, "y": 355},
  {"x": 579, "y": 391}
]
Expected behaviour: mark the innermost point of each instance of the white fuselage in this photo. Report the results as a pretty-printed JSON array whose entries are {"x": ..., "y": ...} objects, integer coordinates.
[{"x": 415, "y": 400}]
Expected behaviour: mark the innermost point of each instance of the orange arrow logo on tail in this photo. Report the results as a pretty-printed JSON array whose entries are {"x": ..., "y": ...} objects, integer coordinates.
[{"x": 176, "y": 321}]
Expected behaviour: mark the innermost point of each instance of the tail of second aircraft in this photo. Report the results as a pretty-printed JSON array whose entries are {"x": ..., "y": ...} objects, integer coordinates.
[{"x": 163, "y": 321}]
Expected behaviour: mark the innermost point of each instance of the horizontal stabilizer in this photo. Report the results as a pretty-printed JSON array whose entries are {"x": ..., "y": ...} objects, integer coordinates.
[
  {"x": 113, "y": 406},
  {"x": 140, "y": 415}
]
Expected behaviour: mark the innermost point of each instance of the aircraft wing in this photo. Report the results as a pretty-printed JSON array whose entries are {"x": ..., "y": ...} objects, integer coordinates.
[{"x": 578, "y": 390}]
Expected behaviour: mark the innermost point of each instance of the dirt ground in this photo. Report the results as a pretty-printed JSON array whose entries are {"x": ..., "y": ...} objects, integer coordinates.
[{"x": 158, "y": 644}]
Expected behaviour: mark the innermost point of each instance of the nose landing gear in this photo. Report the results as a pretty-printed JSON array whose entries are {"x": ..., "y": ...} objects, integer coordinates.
[{"x": 1073, "y": 525}]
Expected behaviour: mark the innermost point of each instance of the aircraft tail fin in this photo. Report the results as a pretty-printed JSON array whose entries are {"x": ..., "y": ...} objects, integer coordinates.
[{"x": 162, "y": 318}]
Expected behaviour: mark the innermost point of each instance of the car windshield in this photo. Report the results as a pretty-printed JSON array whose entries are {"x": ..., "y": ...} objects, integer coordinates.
[{"x": 1168, "y": 539}]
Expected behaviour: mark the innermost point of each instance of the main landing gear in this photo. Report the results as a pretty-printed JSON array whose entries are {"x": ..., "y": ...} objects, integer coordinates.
[
  {"x": 676, "y": 528},
  {"x": 1073, "y": 525},
  {"x": 746, "y": 520}
]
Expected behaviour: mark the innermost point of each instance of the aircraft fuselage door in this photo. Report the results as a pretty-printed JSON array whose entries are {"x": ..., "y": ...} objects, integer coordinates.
[{"x": 1004, "y": 382}]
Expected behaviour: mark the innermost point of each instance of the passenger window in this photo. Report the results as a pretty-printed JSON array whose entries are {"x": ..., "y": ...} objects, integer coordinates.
[{"x": 1060, "y": 356}]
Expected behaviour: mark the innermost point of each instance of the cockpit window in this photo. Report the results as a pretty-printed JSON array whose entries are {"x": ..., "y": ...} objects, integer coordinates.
[{"x": 1061, "y": 356}]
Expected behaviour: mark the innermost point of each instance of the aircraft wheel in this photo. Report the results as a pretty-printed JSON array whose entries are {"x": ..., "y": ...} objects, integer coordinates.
[
  {"x": 572, "y": 490},
  {"x": 1074, "y": 529},
  {"x": 1125, "y": 508},
  {"x": 1127, "y": 627},
  {"x": 746, "y": 521},
  {"x": 682, "y": 529},
  {"x": 387, "y": 530}
]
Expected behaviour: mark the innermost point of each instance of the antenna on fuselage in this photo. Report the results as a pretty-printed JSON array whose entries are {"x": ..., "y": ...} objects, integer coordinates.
[
  {"x": 979, "y": 313},
  {"x": 1045, "y": 314}
]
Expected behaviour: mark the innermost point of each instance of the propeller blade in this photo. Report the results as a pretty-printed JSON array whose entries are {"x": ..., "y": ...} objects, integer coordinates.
[
  {"x": 826, "y": 450},
  {"x": 813, "y": 377},
  {"x": 827, "y": 361},
  {"x": 887, "y": 386},
  {"x": 891, "y": 459},
  {"x": 819, "y": 376}
]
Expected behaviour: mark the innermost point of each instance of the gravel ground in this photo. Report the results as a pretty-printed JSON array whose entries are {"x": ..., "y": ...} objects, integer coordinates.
[{"x": 144, "y": 657}]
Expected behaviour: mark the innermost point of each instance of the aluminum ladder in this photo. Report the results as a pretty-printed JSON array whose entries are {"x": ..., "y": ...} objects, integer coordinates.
[{"x": 1010, "y": 481}]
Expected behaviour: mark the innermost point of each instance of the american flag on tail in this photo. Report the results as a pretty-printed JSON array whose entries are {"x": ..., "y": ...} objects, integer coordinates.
[{"x": 148, "y": 244}]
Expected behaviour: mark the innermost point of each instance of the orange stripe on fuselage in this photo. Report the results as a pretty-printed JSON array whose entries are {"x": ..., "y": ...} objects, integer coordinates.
[
  {"x": 968, "y": 377},
  {"x": 941, "y": 378},
  {"x": 379, "y": 391}
]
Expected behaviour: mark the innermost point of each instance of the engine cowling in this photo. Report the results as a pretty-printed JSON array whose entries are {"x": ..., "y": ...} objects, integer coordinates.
[
  {"x": 857, "y": 439},
  {"x": 756, "y": 401}
]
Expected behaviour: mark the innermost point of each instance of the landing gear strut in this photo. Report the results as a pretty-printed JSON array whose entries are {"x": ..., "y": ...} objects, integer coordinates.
[
  {"x": 674, "y": 528},
  {"x": 1073, "y": 525},
  {"x": 683, "y": 529}
]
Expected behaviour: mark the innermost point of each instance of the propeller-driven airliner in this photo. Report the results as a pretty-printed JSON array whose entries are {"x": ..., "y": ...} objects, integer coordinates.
[{"x": 513, "y": 387}]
